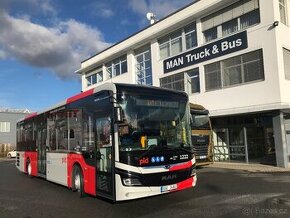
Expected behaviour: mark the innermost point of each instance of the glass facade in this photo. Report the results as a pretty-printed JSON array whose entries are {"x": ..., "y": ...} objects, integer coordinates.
[
  {"x": 234, "y": 71},
  {"x": 246, "y": 138},
  {"x": 143, "y": 67},
  {"x": 117, "y": 67},
  {"x": 94, "y": 77}
]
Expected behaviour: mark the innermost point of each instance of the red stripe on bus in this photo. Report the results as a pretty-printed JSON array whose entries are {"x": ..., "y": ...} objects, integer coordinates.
[
  {"x": 89, "y": 173},
  {"x": 30, "y": 116},
  {"x": 185, "y": 184},
  {"x": 181, "y": 166},
  {"x": 80, "y": 96},
  {"x": 32, "y": 157}
]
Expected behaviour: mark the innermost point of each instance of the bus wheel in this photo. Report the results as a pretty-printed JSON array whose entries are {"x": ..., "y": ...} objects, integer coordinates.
[
  {"x": 28, "y": 167},
  {"x": 78, "y": 181}
]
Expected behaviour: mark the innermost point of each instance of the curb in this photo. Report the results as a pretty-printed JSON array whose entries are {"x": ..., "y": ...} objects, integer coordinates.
[{"x": 257, "y": 168}]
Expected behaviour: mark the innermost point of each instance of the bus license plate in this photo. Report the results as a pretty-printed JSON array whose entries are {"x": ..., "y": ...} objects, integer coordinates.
[
  {"x": 202, "y": 157},
  {"x": 167, "y": 188}
]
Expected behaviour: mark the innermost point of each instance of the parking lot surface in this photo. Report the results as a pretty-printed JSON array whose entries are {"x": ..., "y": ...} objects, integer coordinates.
[{"x": 219, "y": 193}]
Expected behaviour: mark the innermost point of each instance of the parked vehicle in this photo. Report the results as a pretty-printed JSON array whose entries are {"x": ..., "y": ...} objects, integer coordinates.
[
  {"x": 11, "y": 154},
  {"x": 201, "y": 134}
]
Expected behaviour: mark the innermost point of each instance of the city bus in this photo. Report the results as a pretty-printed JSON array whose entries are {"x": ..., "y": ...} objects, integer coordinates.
[
  {"x": 201, "y": 134},
  {"x": 116, "y": 141}
]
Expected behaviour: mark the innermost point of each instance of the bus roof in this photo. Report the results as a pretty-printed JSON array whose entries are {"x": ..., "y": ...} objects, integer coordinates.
[{"x": 106, "y": 86}]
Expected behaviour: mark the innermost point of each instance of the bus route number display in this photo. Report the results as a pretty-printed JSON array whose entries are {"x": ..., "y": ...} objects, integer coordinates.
[{"x": 156, "y": 103}]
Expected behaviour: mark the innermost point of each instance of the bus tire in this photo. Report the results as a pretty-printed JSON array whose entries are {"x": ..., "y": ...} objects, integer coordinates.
[
  {"x": 78, "y": 181},
  {"x": 28, "y": 168}
]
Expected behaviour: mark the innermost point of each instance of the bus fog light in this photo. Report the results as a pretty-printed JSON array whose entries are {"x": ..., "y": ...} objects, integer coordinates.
[{"x": 131, "y": 181}]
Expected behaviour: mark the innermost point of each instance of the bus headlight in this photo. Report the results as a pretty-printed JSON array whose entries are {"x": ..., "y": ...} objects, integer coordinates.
[{"x": 131, "y": 182}]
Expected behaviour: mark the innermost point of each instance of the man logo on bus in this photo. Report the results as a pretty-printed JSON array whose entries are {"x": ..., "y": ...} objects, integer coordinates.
[{"x": 144, "y": 160}]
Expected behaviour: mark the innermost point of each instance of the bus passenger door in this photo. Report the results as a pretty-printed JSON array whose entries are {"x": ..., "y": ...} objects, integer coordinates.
[
  {"x": 104, "y": 157},
  {"x": 41, "y": 151}
]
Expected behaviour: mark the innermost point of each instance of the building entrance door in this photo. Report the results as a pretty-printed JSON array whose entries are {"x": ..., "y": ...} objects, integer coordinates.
[
  {"x": 229, "y": 144},
  {"x": 256, "y": 144}
]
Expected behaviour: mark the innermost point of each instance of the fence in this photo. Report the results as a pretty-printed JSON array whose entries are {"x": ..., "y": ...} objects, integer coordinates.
[{"x": 4, "y": 149}]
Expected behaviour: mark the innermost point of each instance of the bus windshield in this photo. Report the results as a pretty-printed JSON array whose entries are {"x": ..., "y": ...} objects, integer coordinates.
[
  {"x": 200, "y": 121},
  {"x": 151, "y": 121}
]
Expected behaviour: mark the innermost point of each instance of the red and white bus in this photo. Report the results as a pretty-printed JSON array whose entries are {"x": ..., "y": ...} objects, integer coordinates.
[{"x": 116, "y": 141}]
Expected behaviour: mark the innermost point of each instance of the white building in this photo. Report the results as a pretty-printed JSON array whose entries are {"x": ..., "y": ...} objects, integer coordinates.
[{"x": 233, "y": 57}]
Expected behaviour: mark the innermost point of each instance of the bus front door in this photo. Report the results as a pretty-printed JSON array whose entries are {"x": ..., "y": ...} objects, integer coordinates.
[{"x": 104, "y": 157}]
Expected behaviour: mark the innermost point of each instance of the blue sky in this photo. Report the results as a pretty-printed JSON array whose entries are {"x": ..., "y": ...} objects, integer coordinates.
[{"x": 42, "y": 43}]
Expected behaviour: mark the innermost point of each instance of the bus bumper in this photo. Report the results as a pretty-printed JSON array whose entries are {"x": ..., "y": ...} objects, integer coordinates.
[{"x": 132, "y": 192}]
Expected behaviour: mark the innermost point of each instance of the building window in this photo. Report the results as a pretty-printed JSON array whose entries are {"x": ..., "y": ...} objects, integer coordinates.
[
  {"x": 4, "y": 126},
  {"x": 230, "y": 27},
  {"x": 94, "y": 78},
  {"x": 190, "y": 36},
  {"x": 143, "y": 67},
  {"x": 249, "y": 19},
  {"x": 212, "y": 76},
  {"x": 117, "y": 67},
  {"x": 236, "y": 17},
  {"x": 193, "y": 80},
  {"x": 210, "y": 34},
  {"x": 176, "y": 42},
  {"x": 286, "y": 57},
  {"x": 234, "y": 71},
  {"x": 185, "y": 81},
  {"x": 283, "y": 11},
  {"x": 175, "y": 82}
]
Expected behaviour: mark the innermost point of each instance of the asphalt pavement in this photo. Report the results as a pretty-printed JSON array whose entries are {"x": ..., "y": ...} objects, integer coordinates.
[{"x": 219, "y": 193}]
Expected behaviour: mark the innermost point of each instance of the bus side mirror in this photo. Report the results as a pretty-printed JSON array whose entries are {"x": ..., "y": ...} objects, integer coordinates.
[{"x": 118, "y": 115}]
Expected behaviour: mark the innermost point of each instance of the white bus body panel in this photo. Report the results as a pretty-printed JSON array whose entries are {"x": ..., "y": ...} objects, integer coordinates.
[
  {"x": 21, "y": 166},
  {"x": 56, "y": 168}
]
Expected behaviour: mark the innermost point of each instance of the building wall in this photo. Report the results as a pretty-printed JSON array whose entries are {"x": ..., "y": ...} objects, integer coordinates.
[
  {"x": 282, "y": 40},
  {"x": 10, "y": 137},
  {"x": 264, "y": 95}
]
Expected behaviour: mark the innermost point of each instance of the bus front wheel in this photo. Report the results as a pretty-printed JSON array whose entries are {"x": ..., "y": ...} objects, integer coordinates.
[{"x": 78, "y": 181}]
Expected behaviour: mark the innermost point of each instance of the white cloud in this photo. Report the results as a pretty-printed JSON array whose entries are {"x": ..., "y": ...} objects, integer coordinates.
[
  {"x": 60, "y": 48},
  {"x": 44, "y": 5},
  {"x": 100, "y": 9},
  {"x": 36, "y": 6},
  {"x": 2, "y": 55},
  {"x": 160, "y": 8}
]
